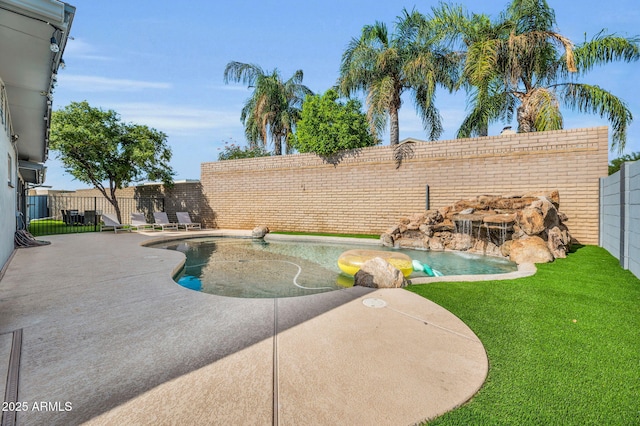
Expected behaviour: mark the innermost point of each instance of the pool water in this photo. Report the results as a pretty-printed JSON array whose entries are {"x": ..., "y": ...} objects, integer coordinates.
[{"x": 243, "y": 267}]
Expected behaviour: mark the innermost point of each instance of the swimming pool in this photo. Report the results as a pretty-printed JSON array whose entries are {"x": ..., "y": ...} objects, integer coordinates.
[{"x": 255, "y": 268}]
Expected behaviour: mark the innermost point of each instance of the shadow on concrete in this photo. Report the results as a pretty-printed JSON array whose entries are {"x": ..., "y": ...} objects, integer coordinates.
[{"x": 110, "y": 324}]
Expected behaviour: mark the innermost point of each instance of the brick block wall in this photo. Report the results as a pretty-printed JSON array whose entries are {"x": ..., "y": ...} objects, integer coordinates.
[{"x": 366, "y": 193}]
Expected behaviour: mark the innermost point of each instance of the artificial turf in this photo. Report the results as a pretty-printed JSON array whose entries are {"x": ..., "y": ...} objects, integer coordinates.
[{"x": 563, "y": 345}]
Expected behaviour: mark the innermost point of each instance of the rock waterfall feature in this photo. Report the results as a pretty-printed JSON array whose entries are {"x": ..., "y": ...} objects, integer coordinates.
[{"x": 525, "y": 228}]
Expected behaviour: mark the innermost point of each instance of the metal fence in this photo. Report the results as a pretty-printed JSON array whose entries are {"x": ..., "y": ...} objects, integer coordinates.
[{"x": 60, "y": 214}]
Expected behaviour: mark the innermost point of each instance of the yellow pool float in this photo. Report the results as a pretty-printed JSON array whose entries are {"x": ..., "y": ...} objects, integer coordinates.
[{"x": 351, "y": 261}]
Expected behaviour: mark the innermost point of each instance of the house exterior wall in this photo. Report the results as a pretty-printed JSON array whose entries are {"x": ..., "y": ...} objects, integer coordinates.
[
  {"x": 367, "y": 192},
  {"x": 8, "y": 182}
]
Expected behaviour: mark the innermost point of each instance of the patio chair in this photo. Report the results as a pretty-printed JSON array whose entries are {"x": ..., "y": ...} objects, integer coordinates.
[
  {"x": 109, "y": 222},
  {"x": 139, "y": 222},
  {"x": 185, "y": 220},
  {"x": 89, "y": 217},
  {"x": 162, "y": 221}
]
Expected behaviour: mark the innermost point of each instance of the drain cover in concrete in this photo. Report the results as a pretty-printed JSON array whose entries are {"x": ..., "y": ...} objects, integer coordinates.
[{"x": 374, "y": 303}]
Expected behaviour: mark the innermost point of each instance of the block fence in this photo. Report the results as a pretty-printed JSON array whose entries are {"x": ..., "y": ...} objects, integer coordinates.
[
  {"x": 620, "y": 215},
  {"x": 184, "y": 196},
  {"x": 367, "y": 192}
]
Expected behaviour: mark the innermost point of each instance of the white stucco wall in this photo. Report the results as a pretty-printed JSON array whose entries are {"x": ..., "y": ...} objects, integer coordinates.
[{"x": 7, "y": 194}]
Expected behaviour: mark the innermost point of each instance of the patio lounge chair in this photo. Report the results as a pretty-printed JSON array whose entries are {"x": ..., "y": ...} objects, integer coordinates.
[
  {"x": 185, "y": 220},
  {"x": 162, "y": 221},
  {"x": 109, "y": 222},
  {"x": 139, "y": 222}
]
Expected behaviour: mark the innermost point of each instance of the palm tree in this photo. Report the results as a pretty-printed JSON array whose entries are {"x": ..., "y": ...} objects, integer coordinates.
[
  {"x": 477, "y": 39},
  {"x": 520, "y": 64},
  {"x": 384, "y": 66},
  {"x": 273, "y": 108}
]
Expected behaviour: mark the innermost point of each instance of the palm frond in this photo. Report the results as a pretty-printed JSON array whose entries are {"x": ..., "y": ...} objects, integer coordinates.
[
  {"x": 239, "y": 72},
  {"x": 602, "y": 49},
  {"x": 593, "y": 99},
  {"x": 547, "y": 110},
  {"x": 403, "y": 151}
]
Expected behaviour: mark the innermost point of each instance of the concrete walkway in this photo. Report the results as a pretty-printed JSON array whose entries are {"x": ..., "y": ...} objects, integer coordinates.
[{"x": 109, "y": 338}]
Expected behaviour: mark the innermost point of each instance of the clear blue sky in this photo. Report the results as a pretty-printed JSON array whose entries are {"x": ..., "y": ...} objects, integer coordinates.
[{"x": 161, "y": 63}]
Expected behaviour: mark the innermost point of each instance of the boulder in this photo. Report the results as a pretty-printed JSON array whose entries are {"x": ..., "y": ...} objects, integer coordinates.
[
  {"x": 553, "y": 196},
  {"x": 378, "y": 273},
  {"x": 435, "y": 243},
  {"x": 460, "y": 242},
  {"x": 432, "y": 216},
  {"x": 413, "y": 243},
  {"x": 426, "y": 229},
  {"x": 505, "y": 249},
  {"x": 387, "y": 240},
  {"x": 486, "y": 248},
  {"x": 559, "y": 242},
  {"x": 445, "y": 225},
  {"x": 530, "y": 220},
  {"x": 549, "y": 212},
  {"x": 500, "y": 218},
  {"x": 513, "y": 203},
  {"x": 259, "y": 231},
  {"x": 530, "y": 250}
]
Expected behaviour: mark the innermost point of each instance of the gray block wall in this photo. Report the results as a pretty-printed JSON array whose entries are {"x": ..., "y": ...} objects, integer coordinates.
[
  {"x": 610, "y": 214},
  {"x": 633, "y": 228},
  {"x": 620, "y": 215}
]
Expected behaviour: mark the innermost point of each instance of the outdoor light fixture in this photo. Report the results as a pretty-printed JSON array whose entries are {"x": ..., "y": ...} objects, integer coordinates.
[
  {"x": 54, "y": 45},
  {"x": 62, "y": 64}
]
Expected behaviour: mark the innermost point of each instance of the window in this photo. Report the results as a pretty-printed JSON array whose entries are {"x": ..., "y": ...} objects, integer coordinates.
[{"x": 10, "y": 170}]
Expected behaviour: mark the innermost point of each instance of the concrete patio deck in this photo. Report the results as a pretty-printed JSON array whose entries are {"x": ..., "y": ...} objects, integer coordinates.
[{"x": 109, "y": 338}]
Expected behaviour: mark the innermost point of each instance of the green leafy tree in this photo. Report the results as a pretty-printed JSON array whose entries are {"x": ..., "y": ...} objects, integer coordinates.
[
  {"x": 520, "y": 64},
  {"x": 616, "y": 163},
  {"x": 384, "y": 66},
  {"x": 231, "y": 151},
  {"x": 327, "y": 125},
  {"x": 97, "y": 148},
  {"x": 274, "y": 106}
]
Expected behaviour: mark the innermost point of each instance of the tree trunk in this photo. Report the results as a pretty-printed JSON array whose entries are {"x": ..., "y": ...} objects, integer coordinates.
[
  {"x": 394, "y": 137},
  {"x": 116, "y": 206},
  {"x": 277, "y": 146},
  {"x": 525, "y": 119},
  {"x": 525, "y": 113},
  {"x": 483, "y": 130},
  {"x": 114, "y": 201}
]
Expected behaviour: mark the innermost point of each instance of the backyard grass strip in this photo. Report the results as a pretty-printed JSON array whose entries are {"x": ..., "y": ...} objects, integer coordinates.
[
  {"x": 50, "y": 227},
  {"x": 563, "y": 345},
  {"x": 321, "y": 234}
]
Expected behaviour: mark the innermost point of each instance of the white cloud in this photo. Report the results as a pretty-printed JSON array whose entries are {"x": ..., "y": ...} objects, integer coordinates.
[
  {"x": 176, "y": 119},
  {"x": 90, "y": 83},
  {"x": 78, "y": 48},
  {"x": 229, "y": 88}
]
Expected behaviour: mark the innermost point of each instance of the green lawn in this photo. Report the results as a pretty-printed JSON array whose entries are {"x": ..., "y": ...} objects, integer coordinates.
[
  {"x": 50, "y": 227},
  {"x": 563, "y": 345}
]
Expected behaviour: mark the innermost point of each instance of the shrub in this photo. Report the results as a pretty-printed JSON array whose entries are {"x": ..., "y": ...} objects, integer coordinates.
[{"x": 327, "y": 126}]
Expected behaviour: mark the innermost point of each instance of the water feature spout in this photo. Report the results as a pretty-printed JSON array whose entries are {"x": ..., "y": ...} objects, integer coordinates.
[{"x": 463, "y": 226}]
